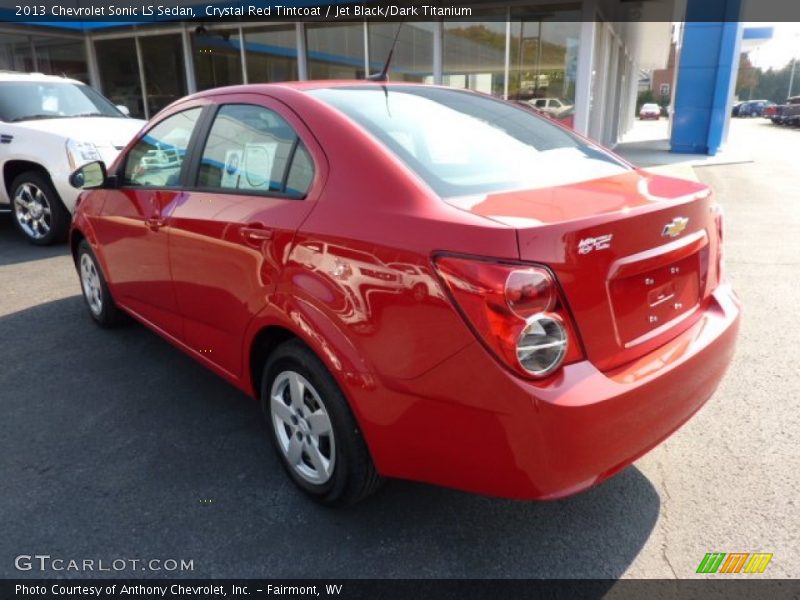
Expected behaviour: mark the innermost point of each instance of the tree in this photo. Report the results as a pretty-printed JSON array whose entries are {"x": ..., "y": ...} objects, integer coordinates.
[
  {"x": 774, "y": 84},
  {"x": 645, "y": 97},
  {"x": 747, "y": 79}
]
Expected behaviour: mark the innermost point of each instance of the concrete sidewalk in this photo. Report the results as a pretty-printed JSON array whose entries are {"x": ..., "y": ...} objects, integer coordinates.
[{"x": 647, "y": 146}]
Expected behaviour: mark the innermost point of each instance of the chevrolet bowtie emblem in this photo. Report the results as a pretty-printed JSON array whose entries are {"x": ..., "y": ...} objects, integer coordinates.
[{"x": 675, "y": 228}]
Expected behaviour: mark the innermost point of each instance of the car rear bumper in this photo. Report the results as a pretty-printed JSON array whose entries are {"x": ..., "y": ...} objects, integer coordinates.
[{"x": 470, "y": 424}]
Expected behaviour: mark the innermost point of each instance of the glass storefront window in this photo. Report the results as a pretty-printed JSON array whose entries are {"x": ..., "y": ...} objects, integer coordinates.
[
  {"x": 217, "y": 58},
  {"x": 474, "y": 54},
  {"x": 335, "y": 51},
  {"x": 56, "y": 56},
  {"x": 413, "y": 55},
  {"x": 119, "y": 73},
  {"x": 15, "y": 53},
  {"x": 165, "y": 75},
  {"x": 271, "y": 54},
  {"x": 544, "y": 62}
]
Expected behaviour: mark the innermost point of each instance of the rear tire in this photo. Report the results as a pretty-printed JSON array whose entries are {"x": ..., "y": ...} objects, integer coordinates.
[
  {"x": 37, "y": 209},
  {"x": 96, "y": 295},
  {"x": 313, "y": 430}
]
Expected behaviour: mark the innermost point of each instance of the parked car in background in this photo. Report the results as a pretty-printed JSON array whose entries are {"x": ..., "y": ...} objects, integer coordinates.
[
  {"x": 49, "y": 126},
  {"x": 416, "y": 282},
  {"x": 650, "y": 111},
  {"x": 555, "y": 106},
  {"x": 770, "y": 111},
  {"x": 566, "y": 117},
  {"x": 789, "y": 113},
  {"x": 753, "y": 108},
  {"x": 777, "y": 117}
]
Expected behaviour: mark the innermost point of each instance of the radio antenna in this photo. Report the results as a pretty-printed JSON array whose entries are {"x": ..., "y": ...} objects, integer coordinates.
[{"x": 384, "y": 74}]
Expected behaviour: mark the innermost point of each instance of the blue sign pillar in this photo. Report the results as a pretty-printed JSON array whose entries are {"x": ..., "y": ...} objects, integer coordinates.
[{"x": 707, "y": 69}]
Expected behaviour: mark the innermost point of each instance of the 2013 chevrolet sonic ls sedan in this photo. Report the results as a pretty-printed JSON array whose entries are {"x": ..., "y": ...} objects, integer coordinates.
[{"x": 416, "y": 282}]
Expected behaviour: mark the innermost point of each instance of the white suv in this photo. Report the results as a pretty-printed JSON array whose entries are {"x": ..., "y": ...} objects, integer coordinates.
[
  {"x": 554, "y": 106},
  {"x": 49, "y": 126}
]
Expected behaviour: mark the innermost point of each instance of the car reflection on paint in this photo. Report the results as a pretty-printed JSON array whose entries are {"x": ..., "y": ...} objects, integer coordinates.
[{"x": 356, "y": 276}]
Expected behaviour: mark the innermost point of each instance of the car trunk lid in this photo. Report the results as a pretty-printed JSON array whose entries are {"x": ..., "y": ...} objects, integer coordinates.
[{"x": 631, "y": 253}]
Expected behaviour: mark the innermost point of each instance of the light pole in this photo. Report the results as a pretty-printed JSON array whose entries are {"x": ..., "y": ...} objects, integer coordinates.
[{"x": 796, "y": 37}]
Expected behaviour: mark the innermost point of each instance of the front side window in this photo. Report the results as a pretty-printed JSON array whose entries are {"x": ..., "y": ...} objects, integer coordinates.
[
  {"x": 157, "y": 158},
  {"x": 32, "y": 100},
  {"x": 463, "y": 143},
  {"x": 251, "y": 148}
]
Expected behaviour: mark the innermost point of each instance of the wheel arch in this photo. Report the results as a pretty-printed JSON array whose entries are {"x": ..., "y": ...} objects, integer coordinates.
[
  {"x": 291, "y": 318},
  {"x": 264, "y": 343},
  {"x": 15, "y": 167},
  {"x": 76, "y": 236}
]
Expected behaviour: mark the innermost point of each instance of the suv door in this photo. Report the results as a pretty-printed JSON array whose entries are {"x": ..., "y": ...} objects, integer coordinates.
[
  {"x": 134, "y": 233},
  {"x": 253, "y": 182}
]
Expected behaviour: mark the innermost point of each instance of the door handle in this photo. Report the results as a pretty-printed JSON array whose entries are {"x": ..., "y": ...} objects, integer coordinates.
[
  {"x": 154, "y": 223},
  {"x": 256, "y": 234}
]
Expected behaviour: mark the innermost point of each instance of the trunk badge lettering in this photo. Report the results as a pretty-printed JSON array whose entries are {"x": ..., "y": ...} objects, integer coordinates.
[
  {"x": 602, "y": 242},
  {"x": 675, "y": 227}
]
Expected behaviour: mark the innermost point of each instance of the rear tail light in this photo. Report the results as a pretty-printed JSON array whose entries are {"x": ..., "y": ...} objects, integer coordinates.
[
  {"x": 719, "y": 220},
  {"x": 516, "y": 310}
]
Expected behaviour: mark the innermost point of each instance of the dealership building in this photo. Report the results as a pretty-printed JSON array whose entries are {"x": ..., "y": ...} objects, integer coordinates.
[{"x": 587, "y": 55}]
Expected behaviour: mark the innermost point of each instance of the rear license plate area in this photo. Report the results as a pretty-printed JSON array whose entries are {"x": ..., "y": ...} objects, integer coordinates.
[{"x": 651, "y": 299}]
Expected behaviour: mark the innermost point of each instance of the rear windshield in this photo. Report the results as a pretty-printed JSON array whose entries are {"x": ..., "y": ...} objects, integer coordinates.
[{"x": 462, "y": 143}]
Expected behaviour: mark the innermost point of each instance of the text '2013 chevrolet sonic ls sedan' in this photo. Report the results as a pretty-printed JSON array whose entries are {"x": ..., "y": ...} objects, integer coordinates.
[{"x": 416, "y": 282}]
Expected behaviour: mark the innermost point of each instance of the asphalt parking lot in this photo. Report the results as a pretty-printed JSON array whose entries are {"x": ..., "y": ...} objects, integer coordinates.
[{"x": 115, "y": 445}]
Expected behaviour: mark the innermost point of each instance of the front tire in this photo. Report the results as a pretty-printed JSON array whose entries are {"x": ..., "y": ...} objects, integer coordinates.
[
  {"x": 38, "y": 210},
  {"x": 96, "y": 295},
  {"x": 313, "y": 430}
]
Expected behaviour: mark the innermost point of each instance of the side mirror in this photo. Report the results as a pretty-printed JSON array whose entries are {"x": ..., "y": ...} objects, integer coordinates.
[
  {"x": 124, "y": 110},
  {"x": 90, "y": 176}
]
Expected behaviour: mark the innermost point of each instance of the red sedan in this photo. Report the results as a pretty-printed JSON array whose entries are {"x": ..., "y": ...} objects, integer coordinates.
[
  {"x": 415, "y": 282},
  {"x": 650, "y": 111}
]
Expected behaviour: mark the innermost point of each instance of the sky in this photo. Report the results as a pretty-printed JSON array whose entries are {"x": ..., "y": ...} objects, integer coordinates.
[{"x": 779, "y": 51}]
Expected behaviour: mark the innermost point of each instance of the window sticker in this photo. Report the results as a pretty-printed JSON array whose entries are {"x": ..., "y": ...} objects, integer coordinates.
[
  {"x": 257, "y": 168},
  {"x": 231, "y": 173}
]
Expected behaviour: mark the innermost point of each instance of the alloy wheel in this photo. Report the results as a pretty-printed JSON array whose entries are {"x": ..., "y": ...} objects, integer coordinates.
[
  {"x": 90, "y": 281},
  {"x": 32, "y": 211},
  {"x": 303, "y": 427}
]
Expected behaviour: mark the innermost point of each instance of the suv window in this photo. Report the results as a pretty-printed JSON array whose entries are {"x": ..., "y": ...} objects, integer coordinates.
[
  {"x": 32, "y": 100},
  {"x": 157, "y": 158},
  {"x": 253, "y": 148}
]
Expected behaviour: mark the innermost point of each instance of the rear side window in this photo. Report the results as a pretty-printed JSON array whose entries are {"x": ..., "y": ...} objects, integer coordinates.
[
  {"x": 251, "y": 148},
  {"x": 301, "y": 172},
  {"x": 157, "y": 158}
]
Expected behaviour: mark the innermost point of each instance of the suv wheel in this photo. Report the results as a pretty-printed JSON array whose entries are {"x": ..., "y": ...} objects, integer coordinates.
[
  {"x": 37, "y": 209},
  {"x": 313, "y": 430}
]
